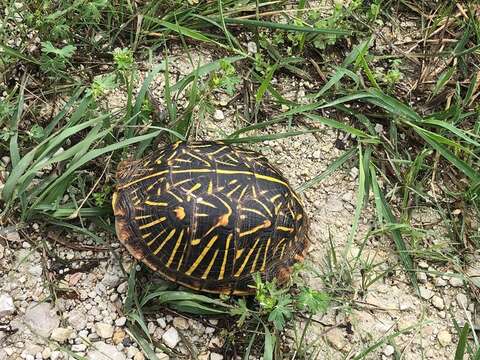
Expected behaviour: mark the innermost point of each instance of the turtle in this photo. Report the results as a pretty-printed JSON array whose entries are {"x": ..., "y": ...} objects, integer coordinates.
[{"x": 209, "y": 215}]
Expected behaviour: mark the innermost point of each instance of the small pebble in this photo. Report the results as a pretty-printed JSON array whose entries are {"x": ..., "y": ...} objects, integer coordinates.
[
  {"x": 444, "y": 338},
  {"x": 61, "y": 334},
  {"x": 462, "y": 300},
  {"x": 180, "y": 323},
  {"x": 455, "y": 282},
  {"x": 7, "y": 306},
  {"x": 425, "y": 293},
  {"x": 218, "y": 115},
  {"x": 121, "y": 321},
  {"x": 103, "y": 330},
  {"x": 171, "y": 337},
  {"x": 437, "y": 301},
  {"x": 388, "y": 350}
]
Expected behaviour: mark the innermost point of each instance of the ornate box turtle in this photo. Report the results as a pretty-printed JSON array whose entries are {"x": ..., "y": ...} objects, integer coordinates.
[{"x": 208, "y": 216}]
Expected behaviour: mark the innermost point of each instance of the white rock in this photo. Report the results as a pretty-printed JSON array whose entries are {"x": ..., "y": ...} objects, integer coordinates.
[
  {"x": 215, "y": 356},
  {"x": 252, "y": 47},
  {"x": 444, "y": 338},
  {"x": 162, "y": 323},
  {"x": 61, "y": 334},
  {"x": 437, "y": 301},
  {"x": 56, "y": 355},
  {"x": 455, "y": 282},
  {"x": 110, "y": 280},
  {"x": 121, "y": 321},
  {"x": 79, "y": 347},
  {"x": 42, "y": 319},
  {"x": 105, "y": 331},
  {"x": 218, "y": 115},
  {"x": 422, "y": 277},
  {"x": 7, "y": 306},
  {"x": 171, "y": 337},
  {"x": 151, "y": 327},
  {"x": 388, "y": 350},
  {"x": 425, "y": 293},
  {"x": 439, "y": 282},
  {"x": 122, "y": 288},
  {"x": 422, "y": 264},
  {"x": 13, "y": 236},
  {"x": 102, "y": 351}
]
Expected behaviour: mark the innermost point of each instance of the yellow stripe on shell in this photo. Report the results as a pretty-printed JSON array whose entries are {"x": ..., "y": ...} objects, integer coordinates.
[
  {"x": 209, "y": 267},
  {"x": 240, "y": 270},
  {"x": 204, "y": 252},
  {"x": 225, "y": 255},
  {"x": 169, "y": 236},
  {"x": 153, "y": 223},
  {"x": 174, "y": 251}
]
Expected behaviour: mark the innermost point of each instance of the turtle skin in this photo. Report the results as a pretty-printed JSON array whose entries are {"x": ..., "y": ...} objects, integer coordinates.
[{"x": 208, "y": 215}]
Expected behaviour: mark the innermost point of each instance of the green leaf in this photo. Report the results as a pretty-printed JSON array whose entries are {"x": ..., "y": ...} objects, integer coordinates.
[
  {"x": 66, "y": 52},
  {"x": 281, "y": 312},
  {"x": 442, "y": 80},
  {"x": 313, "y": 301}
]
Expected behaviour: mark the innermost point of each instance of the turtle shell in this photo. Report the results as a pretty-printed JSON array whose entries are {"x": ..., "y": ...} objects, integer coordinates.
[{"x": 208, "y": 215}]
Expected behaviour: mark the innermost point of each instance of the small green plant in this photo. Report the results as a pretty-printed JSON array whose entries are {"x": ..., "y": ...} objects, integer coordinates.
[
  {"x": 274, "y": 301},
  {"x": 55, "y": 60},
  {"x": 280, "y": 305},
  {"x": 226, "y": 78},
  {"x": 392, "y": 76},
  {"x": 102, "y": 83},
  {"x": 36, "y": 132},
  {"x": 103, "y": 196},
  {"x": 123, "y": 59}
]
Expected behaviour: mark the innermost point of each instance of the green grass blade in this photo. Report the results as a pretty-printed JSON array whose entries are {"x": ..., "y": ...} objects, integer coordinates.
[
  {"x": 347, "y": 155},
  {"x": 269, "y": 345},
  {"x": 17, "y": 54},
  {"x": 264, "y": 85},
  {"x": 462, "y": 342},
  {"x": 202, "y": 71},
  {"x": 285, "y": 27},
  {"x": 339, "y": 125},
  {"x": 92, "y": 155},
  {"x": 432, "y": 139},
  {"x": 385, "y": 215},
  {"x": 193, "y": 34}
]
